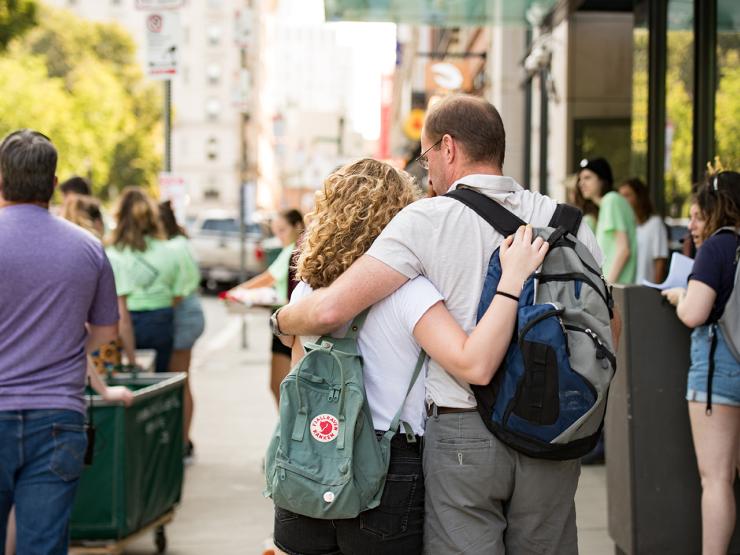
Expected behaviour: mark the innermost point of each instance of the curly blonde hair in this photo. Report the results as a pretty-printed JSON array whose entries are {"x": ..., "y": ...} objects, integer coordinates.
[{"x": 356, "y": 203}]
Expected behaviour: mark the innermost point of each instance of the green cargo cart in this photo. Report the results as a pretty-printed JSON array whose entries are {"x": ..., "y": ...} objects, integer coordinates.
[{"x": 135, "y": 480}]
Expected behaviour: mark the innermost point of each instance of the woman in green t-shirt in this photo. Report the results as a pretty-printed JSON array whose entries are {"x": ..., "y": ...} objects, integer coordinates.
[
  {"x": 147, "y": 272},
  {"x": 616, "y": 229},
  {"x": 287, "y": 227}
]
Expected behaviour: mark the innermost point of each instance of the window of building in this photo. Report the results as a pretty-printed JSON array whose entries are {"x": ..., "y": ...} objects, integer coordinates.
[
  {"x": 213, "y": 73},
  {"x": 214, "y": 34},
  {"x": 212, "y": 194},
  {"x": 679, "y": 106},
  {"x": 640, "y": 94},
  {"x": 727, "y": 105},
  {"x": 213, "y": 108},
  {"x": 212, "y": 148}
]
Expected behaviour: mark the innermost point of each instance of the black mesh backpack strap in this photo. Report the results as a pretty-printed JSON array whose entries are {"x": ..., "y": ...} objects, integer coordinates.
[
  {"x": 499, "y": 217},
  {"x": 567, "y": 216},
  {"x": 710, "y": 367}
]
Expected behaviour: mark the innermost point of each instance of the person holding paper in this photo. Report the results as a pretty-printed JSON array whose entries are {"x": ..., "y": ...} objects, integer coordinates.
[{"x": 714, "y": 376}]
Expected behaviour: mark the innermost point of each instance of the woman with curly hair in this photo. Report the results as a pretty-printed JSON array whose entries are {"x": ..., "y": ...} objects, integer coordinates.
[
  {"x": 713, "y": 391},
  {"x": 356, "y": 203}
]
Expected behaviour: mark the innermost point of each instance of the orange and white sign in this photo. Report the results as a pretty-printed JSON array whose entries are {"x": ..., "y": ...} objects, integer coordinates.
[{"x": 452, "y": 76}]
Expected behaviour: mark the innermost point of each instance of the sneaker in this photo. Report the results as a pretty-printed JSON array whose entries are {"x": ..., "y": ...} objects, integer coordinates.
[{"x": 188, "y": 456}]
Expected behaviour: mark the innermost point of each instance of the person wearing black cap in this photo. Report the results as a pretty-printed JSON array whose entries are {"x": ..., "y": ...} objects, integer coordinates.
[{"x": 616, "y": 229}]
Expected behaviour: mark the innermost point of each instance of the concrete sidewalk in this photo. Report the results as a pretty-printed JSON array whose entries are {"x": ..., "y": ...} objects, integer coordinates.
[{"x": 223, "y": 511}]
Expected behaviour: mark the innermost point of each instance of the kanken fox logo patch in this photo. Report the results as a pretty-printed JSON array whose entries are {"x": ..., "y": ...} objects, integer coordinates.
[{"x": 324, "y": 428}]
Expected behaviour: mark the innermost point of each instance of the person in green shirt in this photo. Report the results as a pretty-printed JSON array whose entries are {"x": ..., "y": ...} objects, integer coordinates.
[
  {"x": 616, "y": 228},
  {"x": 189, "y": 318},
  {"x": 148, "y": 273},
  {"x": 287, "y": 227}
]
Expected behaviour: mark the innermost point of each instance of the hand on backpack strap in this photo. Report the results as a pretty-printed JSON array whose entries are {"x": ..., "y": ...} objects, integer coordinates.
[{"x": 520, "y": 256}]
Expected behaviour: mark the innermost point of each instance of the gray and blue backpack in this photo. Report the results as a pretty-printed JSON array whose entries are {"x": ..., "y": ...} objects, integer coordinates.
[{"x": 548, "y": 398}]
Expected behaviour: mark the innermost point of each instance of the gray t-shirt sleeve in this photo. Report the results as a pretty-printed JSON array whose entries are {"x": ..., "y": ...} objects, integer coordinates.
[
  {"x": 104, "y": 307},
  {"x": 406, "y": 241}
]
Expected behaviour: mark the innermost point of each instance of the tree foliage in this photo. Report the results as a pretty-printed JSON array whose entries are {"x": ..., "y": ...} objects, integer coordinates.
[
  {"x": 16, "y": 17},
  {"x": 79, "y": 82}
]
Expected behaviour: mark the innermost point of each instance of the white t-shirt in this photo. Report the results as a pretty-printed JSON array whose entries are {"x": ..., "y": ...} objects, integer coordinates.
[
  {"x": 652, "y": 243},
  {"x": 448, "y": 243},
  {"x": 390, "y": 352}
]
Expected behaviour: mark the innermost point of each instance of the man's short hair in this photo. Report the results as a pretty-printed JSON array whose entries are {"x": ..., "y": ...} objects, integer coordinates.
[
  {"x": 28, "y": 163},
  {"x": 77, "y": 185},
  {"x": 471, "y": 121}
]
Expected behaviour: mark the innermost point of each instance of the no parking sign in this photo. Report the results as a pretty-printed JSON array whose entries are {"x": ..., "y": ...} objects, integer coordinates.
[{"x": 162, "y": 40}]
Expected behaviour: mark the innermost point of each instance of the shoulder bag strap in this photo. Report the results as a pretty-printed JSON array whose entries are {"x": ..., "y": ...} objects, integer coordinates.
[
  {"x": 394, "y": 427},
  {"x": 499, "y": 217},
  {"x": 356, "y": 325},
  {"x": 566, "y": 216}
]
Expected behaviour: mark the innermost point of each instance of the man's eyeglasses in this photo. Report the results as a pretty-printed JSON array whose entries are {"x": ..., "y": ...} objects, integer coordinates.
[{"x": 422, "y": 158}]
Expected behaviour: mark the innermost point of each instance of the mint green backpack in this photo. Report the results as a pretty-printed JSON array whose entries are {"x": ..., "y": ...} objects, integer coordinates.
[{"x": 325, "y": 460}]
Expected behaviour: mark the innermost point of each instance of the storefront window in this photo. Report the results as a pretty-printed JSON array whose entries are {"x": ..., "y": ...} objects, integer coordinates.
[
  {"x": 679, "y": 136},
  {"x": 727, "y": 103},
  {"x": 640, "y": 94}
]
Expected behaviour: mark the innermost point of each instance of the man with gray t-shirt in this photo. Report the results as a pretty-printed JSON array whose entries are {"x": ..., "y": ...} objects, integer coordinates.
[
  {"x": 57, "y": 302},
  {"x": 481, "y": 495}
]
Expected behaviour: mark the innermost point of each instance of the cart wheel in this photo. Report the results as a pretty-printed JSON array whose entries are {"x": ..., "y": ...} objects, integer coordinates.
[{"x": 160, "y": 539}]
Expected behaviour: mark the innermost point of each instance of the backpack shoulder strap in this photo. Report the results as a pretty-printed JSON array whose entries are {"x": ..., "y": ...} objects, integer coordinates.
[
  {"x": 499, "y": 217},
  {"x": 395, "y": 423},
  {"x": 356, "y": 325},
  {"x": 567, "y": 216}
]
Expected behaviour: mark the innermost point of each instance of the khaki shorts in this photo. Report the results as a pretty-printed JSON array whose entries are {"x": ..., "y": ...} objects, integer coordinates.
[{"x": 484, "y": 497}]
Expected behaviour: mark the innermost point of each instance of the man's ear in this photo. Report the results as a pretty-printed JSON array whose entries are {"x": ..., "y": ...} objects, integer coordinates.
[
  {"x": 56, "y": 182},
  {"x": 450, "y": 149}
]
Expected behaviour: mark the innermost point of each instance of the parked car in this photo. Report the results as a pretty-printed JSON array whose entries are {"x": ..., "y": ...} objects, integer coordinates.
[{"x": 216, "y": 242}]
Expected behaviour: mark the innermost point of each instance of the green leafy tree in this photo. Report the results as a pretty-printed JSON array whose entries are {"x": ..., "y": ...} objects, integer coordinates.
[
  {"x": 16, "y": 17},
  {"x": 106, "y": 119}
]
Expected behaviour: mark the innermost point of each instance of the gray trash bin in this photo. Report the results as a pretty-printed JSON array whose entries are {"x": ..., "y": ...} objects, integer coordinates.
[{"x": 654, "y": 493}]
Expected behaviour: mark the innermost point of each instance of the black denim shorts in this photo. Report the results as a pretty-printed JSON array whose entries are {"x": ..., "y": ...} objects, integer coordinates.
[{"x": 394, "y": 527}]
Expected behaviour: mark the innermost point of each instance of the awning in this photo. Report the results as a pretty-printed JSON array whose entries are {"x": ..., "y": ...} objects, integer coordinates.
[{"x": 439, "y": 13}]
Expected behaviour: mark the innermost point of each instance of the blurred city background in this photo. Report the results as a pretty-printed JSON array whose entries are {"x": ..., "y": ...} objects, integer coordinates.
[{"x": 236, "y": 110}]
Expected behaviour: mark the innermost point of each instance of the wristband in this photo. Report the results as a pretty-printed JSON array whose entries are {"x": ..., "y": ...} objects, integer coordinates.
[{"x": 507, "y": 295}]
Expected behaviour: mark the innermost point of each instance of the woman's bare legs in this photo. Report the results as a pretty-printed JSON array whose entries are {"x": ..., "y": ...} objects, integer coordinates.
[
  {"x": 10, "y": 535},
  {"x": 180, "y": 362},
  {"x": 717, "y": 446},
  {"x": 279, "y": 368}
]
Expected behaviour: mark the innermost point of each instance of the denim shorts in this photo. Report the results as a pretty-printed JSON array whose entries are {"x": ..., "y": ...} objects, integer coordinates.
[
  {"x": 726, "y": 381},
  {"x": 395, "y": 527},
  {"x": 189, "y": 322}
]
